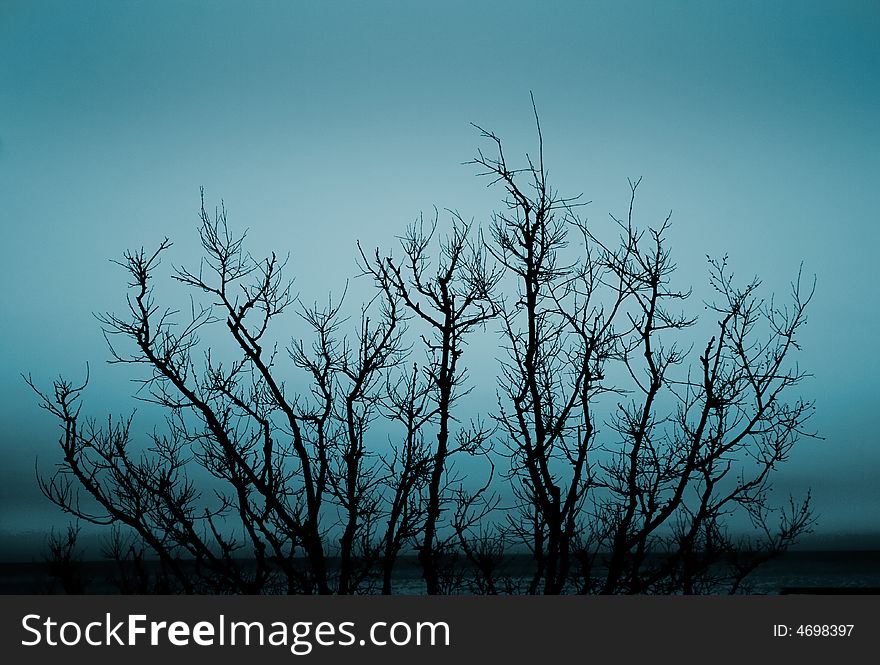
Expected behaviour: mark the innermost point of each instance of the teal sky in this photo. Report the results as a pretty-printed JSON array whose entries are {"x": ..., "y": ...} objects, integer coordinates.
[{"x": 320, "y": 123}]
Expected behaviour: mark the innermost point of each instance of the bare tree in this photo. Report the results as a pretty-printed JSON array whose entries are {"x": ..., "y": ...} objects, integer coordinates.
[
  {"x": 356, "y": 479},
  {"x": 558, "y": 336},
  {"x": 235, "y": 419},
  {"x": 675, "y": 468},
  {"x": 408, "y": 402},
  {"x": 63, "y": 560},
  {"x": 452, "y": 300},
  {"x": 293, "y": 466},
  {"x": 714, "y": 454}
]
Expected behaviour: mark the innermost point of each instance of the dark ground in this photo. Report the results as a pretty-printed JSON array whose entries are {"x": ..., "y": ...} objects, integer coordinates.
[{"x": 847, "y": 571}]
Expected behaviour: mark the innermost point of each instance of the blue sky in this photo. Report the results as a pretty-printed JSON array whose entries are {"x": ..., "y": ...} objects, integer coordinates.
[{"x": 320, "y": 123}]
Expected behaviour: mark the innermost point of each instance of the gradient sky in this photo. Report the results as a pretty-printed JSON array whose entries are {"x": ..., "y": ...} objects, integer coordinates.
[{"x": 321, "y": 123}]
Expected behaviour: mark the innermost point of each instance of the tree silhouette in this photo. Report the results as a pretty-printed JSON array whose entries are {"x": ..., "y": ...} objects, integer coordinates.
[
  {"x": 625, "y": 458},
  {"x": 688, "y": 449},
  {"x": 452, "y": 301}
]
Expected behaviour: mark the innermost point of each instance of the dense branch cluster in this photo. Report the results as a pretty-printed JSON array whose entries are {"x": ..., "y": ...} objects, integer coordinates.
[{"x": 621, "y": 456}]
